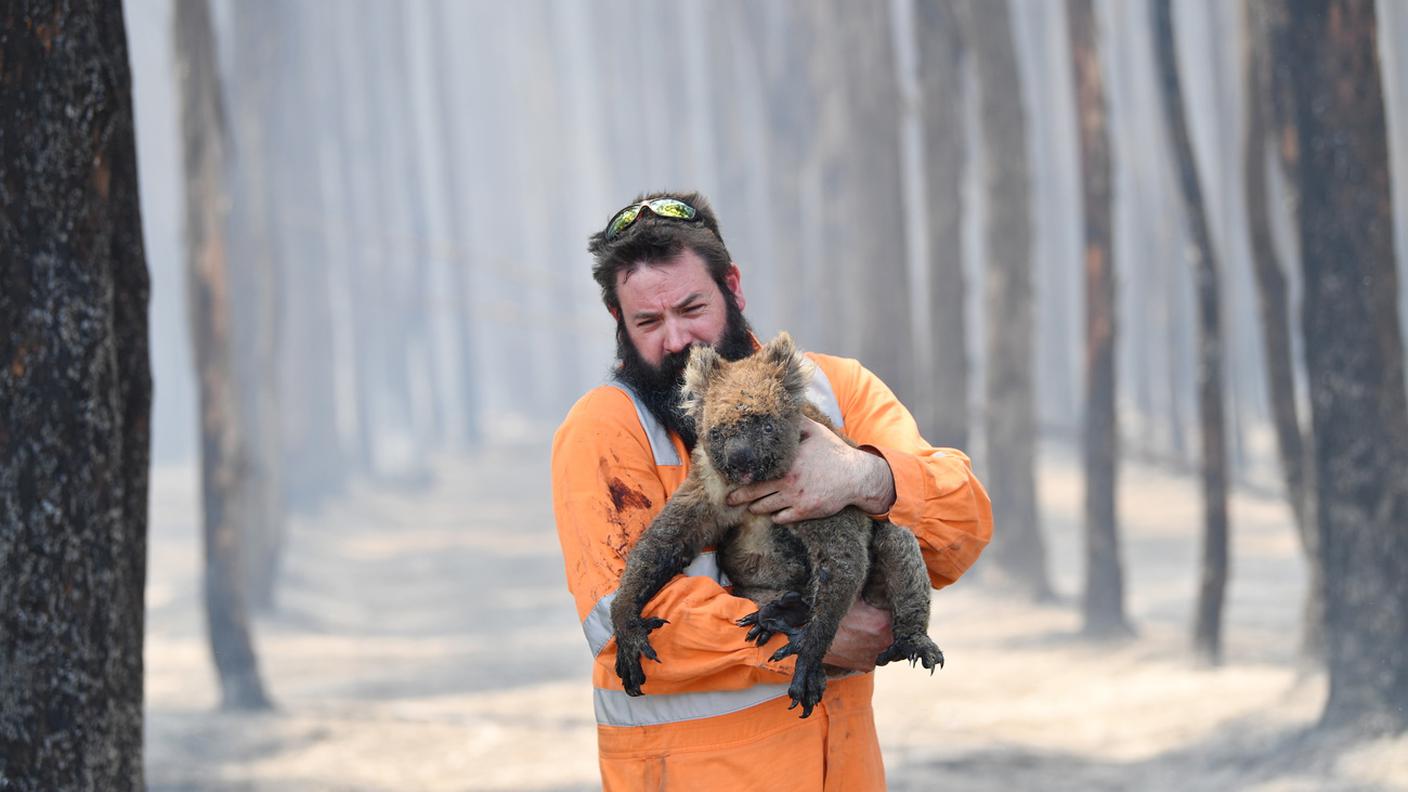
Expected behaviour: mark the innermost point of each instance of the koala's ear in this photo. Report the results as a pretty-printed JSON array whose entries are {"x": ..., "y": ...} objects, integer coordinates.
[
  {"x": 796, "y": 369},
  {"x": 704, "y": 364}
]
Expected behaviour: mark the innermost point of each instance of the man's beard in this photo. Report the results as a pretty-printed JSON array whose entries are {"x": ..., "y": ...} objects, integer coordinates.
[{"x": 658, "y": 387}]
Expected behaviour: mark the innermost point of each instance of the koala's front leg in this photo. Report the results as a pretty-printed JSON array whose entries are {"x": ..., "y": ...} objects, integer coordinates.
[
  {"x": 839, "y": 560},
  {"x": 683, "y": 528}
]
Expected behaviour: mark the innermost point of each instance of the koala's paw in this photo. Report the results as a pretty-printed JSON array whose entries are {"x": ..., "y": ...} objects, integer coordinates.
[
  {"x": 631, "y": 643},
  {"x": 785, "y": 615},
  {"x": 915, "y": 649},
  {"x": 808, "y": 685}
]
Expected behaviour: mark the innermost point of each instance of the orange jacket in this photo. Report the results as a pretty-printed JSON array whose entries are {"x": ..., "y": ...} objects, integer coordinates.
[{"x": 715, "y": 711}]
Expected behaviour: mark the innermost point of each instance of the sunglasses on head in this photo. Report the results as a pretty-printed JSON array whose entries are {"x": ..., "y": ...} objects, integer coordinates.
[{"x": 671, "y": 208}]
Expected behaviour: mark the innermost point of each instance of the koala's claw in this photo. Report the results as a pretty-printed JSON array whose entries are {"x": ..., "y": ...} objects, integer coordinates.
[
  {"x": 915, "y": 649},
  {"x": 808, "y": 685},
  {"x": 631, "y": 644},
  {"x": 786, "y": 614},
  {"x": 788, "y": 649}
]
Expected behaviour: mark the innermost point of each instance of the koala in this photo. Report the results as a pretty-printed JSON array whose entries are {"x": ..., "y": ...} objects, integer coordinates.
[{"x": 804, "y": 576}]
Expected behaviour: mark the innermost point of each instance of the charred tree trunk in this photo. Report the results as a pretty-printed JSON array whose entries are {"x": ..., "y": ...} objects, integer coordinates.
[
  {"x": 1103, "y": 604},
  {"x": 225, "y": 458},
  {"x": 1212, "y": 588},
  {"x": 1354, "y": 360},
  {"x": 75, "y": 403},
  {"x": 943, "y": 412},
  {"x": 1274, "y": 304},
  {"x": 1019, "y": 553}
]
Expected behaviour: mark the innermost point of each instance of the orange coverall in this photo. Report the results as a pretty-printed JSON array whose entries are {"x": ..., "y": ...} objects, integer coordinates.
[{"x": 714, "y": 714}]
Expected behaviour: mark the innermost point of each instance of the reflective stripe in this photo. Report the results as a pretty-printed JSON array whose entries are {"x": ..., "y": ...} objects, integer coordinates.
[
  {"x": 616, "y": 708},
  {"x": 820, "y": 394},
  {"x": 660, "y": 446},
  {"x": 597, "y": 625}
]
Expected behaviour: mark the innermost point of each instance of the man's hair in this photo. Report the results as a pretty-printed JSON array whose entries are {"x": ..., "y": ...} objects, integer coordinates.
[{"x": 653, "y": 239}]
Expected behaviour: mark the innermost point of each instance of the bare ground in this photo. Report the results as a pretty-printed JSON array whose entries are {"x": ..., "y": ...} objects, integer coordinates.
[{"x": 425, "y": 639}]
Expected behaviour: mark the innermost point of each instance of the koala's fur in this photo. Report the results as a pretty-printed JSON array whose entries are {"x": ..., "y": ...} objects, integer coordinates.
[{"x": 804, "y": 576}]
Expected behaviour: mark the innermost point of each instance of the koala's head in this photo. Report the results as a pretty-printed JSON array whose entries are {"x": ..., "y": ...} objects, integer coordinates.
[{"x": 748, "y": 413}]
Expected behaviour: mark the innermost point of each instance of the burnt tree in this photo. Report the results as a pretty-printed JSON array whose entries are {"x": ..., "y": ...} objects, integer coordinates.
[
  {"x": 1354, "y": 359},
  {"x": 75, "y": 403},
  {"x": 224, "y": 455},
  {"x": 1212, "y": 585},
  {"x": 1018, "y": 550},
  {"x": 1103, "y": 601},
  {"x": 1268, "y": 130}
]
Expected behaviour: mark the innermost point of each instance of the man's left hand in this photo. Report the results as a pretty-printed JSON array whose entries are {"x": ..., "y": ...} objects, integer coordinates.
[{"x": 827, "y": 475}]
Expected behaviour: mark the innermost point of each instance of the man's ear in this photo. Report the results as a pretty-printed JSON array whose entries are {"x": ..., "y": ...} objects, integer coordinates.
[
  {"x": 614, "y": 311},
  {"x": 704, "y": 365},
  {"x": 733, "y": 281},
  {"x": 796, "y": 370}
]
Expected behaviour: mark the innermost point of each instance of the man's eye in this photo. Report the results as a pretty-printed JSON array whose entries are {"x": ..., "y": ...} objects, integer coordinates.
[
  {"x": 694, "y": 309},
  {"x": 647, "y": 323}
]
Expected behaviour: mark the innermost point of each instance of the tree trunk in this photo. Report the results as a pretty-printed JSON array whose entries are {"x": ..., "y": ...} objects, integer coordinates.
[
  {"x": 1274, "y": 304},
  {"x": 1018, "y": 551},
  {"x": 225, "y": 458},
  {"x": 1103, "y": 604},
  {"x": 1354, "y": 360},
  {"x": 454, "y": 139},
  {"x": 1212, "y": 586},
  {"x": 75, "y": 403},
  {"x": 254, "y": 290},
  {"x": 943, "y": 411}
]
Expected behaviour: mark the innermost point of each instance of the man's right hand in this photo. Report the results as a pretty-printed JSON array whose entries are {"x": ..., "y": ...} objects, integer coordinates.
[{"x": 864, "y": 633}]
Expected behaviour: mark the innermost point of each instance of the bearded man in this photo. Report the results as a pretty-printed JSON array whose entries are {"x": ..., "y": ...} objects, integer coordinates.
[{"x": 715, "y": 710}]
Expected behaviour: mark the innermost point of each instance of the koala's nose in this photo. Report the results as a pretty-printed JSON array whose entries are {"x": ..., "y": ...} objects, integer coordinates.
[{"x": 741, "y": 458}]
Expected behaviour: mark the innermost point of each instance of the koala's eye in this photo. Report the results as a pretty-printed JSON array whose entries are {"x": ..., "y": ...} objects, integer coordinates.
[
  {"x": 767, "y": 427},
  {"x": 716, "y": 434}
]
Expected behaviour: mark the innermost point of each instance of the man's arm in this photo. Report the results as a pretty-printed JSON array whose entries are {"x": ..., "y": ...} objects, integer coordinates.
[{"x": 606, "y": 491}]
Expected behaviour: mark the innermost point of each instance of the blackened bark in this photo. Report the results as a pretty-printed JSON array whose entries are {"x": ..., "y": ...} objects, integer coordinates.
[
  {"x": 225, "y": 458},
  {"x": 1212, "y": 584},
  {"x": 1354, "y": 360},
  {"x": 943, "y": 413},
  {"x": 75, "y": 403},
  {"x": 1018, "y": 550},
  {"x": 1274, "y": 305},
  {"x": 1103, "y": 603}
]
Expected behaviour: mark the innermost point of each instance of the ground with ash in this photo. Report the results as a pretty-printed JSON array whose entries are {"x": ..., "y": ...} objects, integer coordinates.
[{"x": 424, "y": 639}]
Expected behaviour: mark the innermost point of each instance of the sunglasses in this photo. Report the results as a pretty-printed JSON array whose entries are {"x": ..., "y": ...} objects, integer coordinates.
[{"x": 672, "y": 208}]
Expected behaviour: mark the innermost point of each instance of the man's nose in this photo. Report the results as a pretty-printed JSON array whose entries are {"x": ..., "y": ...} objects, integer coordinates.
[{"x": 677, "y": 337}]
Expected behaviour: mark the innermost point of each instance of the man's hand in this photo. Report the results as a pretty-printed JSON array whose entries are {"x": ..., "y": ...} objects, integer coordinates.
[
  {"x": 827, "y": 476},
  {"x": 863, "y": 635}
]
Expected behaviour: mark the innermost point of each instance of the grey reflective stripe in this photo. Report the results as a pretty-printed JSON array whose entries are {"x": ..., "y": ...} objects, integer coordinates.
[
  {"x": 597, "y": 625},
  {"x": 616, "y": 708},
  {"x": 660, "y": 445},
  {"x": 820, "y": 394}
]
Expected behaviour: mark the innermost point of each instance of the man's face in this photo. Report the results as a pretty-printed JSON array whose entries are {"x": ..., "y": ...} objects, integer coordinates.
[
  {"x": 666, "y": 309},
  {"x": 669, "y": 306}
]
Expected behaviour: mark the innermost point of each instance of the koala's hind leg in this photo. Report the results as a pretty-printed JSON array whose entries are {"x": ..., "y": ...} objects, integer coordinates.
[
  {"x": 898, "y": 581},
  {"x": 839, "y": 558},
  {"x": 683, "y": 528}
]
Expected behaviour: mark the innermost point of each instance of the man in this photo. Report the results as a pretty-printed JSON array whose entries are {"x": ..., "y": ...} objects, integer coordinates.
[{"x": 715, "y": 710}]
